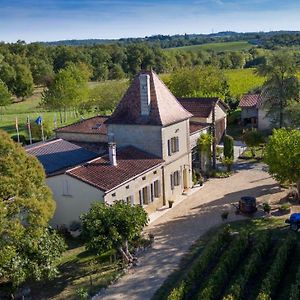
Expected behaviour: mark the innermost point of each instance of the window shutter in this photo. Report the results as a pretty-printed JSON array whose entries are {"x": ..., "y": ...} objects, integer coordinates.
[
  {"x": 177, "y": 143},
  {"x": 179, "y": 177},
  {"x": 132, "y": 199},
  {"x": 169, "y": 148},
  {"x": 148, "y": 194},
  {"x": 172, "y": 181},
  {"x": 158, "y": 189},
  {"x": 141, "y": 198}
]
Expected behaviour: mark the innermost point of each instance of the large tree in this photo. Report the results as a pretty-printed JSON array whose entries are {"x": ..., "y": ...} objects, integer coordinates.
[
  {"x": 5, "y": 96},
  {"x": 107, "y": 227},
  {"x": 23, "y": 84},
  {"x": 282, "y": 154},
  {"x": 68, "y": 90},
  {"x": 28, "y": 248},
  {"x": 204, "y": 81},
  {"x": 281, "y": 85}
]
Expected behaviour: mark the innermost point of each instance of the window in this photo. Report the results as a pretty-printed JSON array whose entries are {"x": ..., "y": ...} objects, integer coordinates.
[
  {"x": 144, "y": 195},
  {"x": 175, "y": 179},
  {"x": 173, "y": 145},
  {"x": 130, "y": 200}
]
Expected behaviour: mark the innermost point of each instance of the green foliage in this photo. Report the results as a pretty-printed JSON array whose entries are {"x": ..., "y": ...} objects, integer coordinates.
[
  {"x": 253, "y": 139},
  {"x": 266, "y": 207},
  {"x": 68, "y": 90},
  {"x": 198, "y": 82},
  {"x": 282, "y": 155},
  {"x": 227, "y": 162},
  {"x": 23, "y": 84},
  {"x": 106, "y": 96},
  {"x": 5, "y": 95},
  {"x": 237, "y": 289},
  {"x": 295, "y": 288},
  {"x": 281, "y": 85},
  {"x": 228, "y": 263},
  {"x": 82, "y": 293},
  {"x": 201, "y": 264},
  {"x": 228, "y": 147},
  {"x": 276, "y": 270},
  {"x": 205, "y": 143},
  {"x": 36, "y": 130},
  {"x": 28, "y": 249},
  {"x": 107, "y": 227}
]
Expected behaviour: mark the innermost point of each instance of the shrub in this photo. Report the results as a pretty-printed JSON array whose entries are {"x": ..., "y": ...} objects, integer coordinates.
[
  {"x": 224, "y": 215},
  {"x": 253, "y": 139},
  {"x": 21, "y": 137},
  {"x": 285, "y": 208},
  {"x": 228, "y": 147},
  {"x": 266, "y": 207}
]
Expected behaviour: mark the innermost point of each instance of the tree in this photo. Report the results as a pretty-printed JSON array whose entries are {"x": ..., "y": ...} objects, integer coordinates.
[
  {"x": 228, "y": 147},
  {"x": 5, "y": 96},
  {"x": 28, "y": 248},
  {"x": 281, "y": 85},
  {"x": 107, "y": 227},
  {"x": 23, "y": 84},
  {"x": 36, "y": 130},
  {"x": 42, "y": 72},
  {"x": 198, "y": 82},
  {"x": 253, "y": 139},
  {"x": 282, "y": 154},
  {"x": 8, "y": 75},
  {"x": 106, "y": 96},
  {"x": 292, "y": 112},
  {"x": 205, "y": 146},
  {"x": 68, "y": 90}
]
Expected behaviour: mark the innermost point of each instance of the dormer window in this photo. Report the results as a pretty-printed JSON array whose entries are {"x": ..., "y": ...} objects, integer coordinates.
[{"x": 145, "y": 94}]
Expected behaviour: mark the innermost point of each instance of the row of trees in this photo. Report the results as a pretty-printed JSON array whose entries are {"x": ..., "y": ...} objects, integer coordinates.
[{"x": 22, "y": 66}]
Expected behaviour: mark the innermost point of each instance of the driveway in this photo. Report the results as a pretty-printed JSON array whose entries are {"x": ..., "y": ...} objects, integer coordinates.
[{"x": 181, "y": 226}]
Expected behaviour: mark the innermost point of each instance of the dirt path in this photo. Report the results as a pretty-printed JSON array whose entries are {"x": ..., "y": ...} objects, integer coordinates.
[{"x": 180, "y": 227}]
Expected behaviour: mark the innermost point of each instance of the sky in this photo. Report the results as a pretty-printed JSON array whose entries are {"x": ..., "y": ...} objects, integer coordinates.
[{"x": 52, "y": 20}]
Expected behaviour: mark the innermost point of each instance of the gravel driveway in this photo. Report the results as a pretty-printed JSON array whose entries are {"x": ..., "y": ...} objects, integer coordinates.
[{"x": 182, "y": 225}]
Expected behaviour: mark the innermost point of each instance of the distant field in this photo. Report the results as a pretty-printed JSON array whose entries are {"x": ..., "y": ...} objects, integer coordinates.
[
  {"x": 218, "y": 47},
  {"x": 242, "y": 80}
]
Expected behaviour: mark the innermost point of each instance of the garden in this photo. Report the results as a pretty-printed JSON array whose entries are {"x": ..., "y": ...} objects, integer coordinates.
[{"x": 253, "y": 259}]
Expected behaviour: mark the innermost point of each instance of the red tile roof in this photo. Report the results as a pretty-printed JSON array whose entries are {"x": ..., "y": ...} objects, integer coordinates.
[
  {"x": 200, "y": 107},
  {"x": 94, "y": 125},
  {"x": 131, "y": 162},
  {"x": 250, "y": 100},
  {"x": 164, "y": 107},
  {"x": 196, "y": 126}
]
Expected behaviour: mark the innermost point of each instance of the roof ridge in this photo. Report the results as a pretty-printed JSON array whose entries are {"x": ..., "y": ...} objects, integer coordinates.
[{"x": 46, "y": 143}]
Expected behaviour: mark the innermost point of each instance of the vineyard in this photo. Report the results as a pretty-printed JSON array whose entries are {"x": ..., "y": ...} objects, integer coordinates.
[{"x": 240, "y": 264}]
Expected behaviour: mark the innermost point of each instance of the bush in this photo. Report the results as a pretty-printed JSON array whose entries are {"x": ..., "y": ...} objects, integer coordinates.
[
  {"x": 253, "y": 139},
  {"x": 21, "y": 137},
  {"x": 266, "y": 207},
  {"x": 228, "y": 147},
  {"x": 285, "y": 208}
]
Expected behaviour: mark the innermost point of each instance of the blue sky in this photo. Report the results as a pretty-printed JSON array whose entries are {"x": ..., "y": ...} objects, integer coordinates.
[{"x": 48, "y": 20}]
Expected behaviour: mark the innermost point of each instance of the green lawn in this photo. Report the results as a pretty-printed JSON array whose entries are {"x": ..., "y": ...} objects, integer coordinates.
[
  {"x": 218, "y": 47},
  {"x": 217, "y": 266}
]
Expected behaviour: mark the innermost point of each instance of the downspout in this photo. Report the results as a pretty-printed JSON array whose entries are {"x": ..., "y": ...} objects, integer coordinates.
[{"x": 214, "y": 137}]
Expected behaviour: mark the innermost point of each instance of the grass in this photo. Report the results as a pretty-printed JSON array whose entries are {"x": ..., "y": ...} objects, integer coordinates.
[
  {"x": 218, "y": 47},
  {"x": 241, "y": 81},
  {"x": 256, "y": 226},
  {"x": 78, "y": 269}
]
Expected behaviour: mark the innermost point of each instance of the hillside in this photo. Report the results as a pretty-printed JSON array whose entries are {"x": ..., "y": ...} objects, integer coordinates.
[{"x": 218, "y": 47}]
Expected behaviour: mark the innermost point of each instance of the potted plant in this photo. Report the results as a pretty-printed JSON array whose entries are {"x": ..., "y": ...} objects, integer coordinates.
[
  {"x": 266, "y": 207},
  {"x": 285, "y": 208},
  {"x": 224, "y": 215},
  {"x": 170, "y": 203},
  {"x": 201, "y": 180}
]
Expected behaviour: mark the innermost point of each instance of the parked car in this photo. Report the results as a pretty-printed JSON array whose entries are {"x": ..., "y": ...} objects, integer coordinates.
[{"x": 294, "y": 221}]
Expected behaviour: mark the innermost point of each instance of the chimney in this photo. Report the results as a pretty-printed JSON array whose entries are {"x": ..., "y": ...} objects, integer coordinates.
[
  {"x": 145, "y": 94},
  {"x": 112, "y": 151}
]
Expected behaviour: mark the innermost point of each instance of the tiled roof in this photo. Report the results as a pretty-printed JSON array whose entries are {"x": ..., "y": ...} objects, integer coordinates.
[
  {"x": 101, "y": 174},
  {"x": 250, "y": 100},
  {"x": 199, "y": 107},
  {"x": 94, "y": 125},
  {"x": 59, "y": 154},
  {"x": 164, "y": 107},
  {"x": 196, "y": 126}
]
